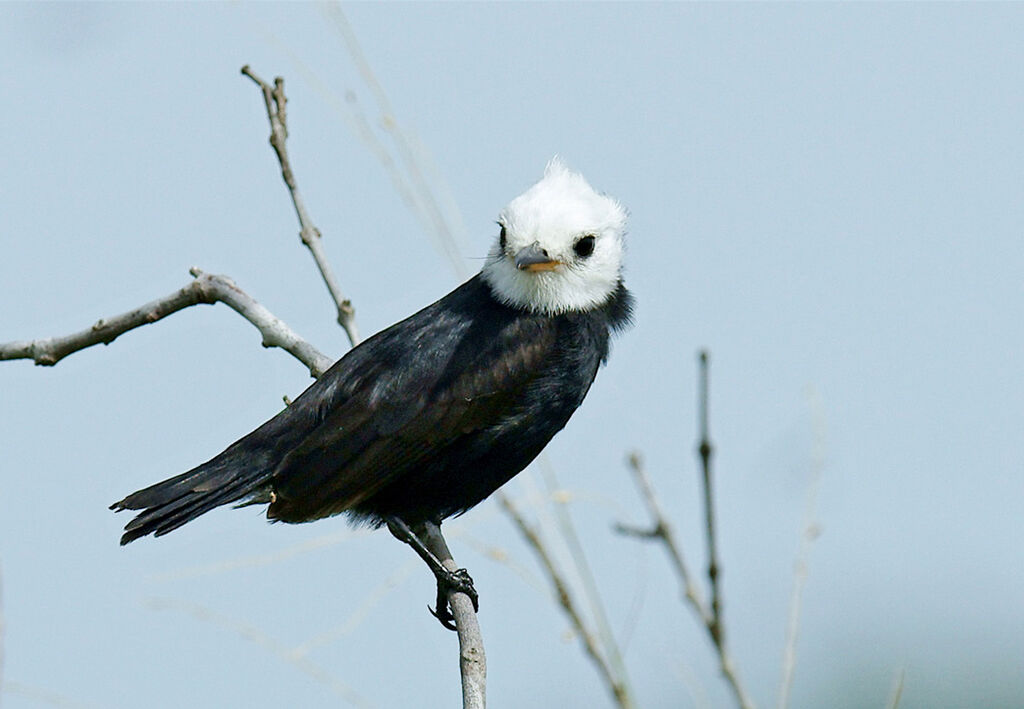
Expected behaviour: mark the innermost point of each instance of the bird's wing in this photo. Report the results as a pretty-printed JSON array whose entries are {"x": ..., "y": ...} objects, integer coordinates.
[{"x": 415, "y": 390}]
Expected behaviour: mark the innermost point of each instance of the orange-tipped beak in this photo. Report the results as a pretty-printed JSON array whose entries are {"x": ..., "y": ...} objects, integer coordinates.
[{"x": 533, "y": 258}]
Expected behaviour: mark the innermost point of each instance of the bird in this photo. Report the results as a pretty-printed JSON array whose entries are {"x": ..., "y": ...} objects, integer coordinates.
[{"x": 427, "y": 418}]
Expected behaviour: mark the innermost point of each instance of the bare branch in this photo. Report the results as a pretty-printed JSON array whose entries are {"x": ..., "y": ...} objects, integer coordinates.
[
  {"x": 419, "y": 187},
  {"x": 276, "y": 647},
  {"x": 472, "y": 661},
  {"x": 662, "y": 531},
  {"x": 360, "y": 613},
  {"x": 897, "y": 689},
  {"x": 706, "y": 449},
  {"x": 716, "y": 627},
  {"x": 205, "y": 289},
  {"x": 587, "y": 580},
  {"x": 275, "y": 101},
  {"x": 615, "y": 685}
]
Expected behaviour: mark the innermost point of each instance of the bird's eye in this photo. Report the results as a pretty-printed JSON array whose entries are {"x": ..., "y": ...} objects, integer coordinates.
[
  {"x": 585, "y": 246},
  {"x": 502, "y": 239}
]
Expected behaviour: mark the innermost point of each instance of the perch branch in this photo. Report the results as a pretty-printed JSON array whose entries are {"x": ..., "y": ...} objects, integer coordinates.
[
  {"x": 276, "y": 102},
  {"x": 472, "y": 661},
  {"x": 616, "y": 686},
  {"x": 473, "y": 664},
  {"x": 205, "y": 289}
]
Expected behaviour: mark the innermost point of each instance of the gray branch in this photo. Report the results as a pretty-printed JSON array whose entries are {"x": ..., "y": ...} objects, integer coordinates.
[
  {"x": 205, "y": 289},
  {"x": 662, "y": 531},
  {"x": 276, "y": 102},
  {"x": 616, "y": 685},
  {"x": 472, "y": 661}
]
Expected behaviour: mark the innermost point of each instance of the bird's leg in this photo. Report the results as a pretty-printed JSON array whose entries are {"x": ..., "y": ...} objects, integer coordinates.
[{"x": 447, "y": 581}]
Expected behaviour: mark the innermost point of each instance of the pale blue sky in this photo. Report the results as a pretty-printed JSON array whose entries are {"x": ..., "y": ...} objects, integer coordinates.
[{"x": 829, "y": 197}]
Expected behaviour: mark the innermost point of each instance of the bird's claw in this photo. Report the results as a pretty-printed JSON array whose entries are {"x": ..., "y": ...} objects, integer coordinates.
[{"x": 453, "y": 581}]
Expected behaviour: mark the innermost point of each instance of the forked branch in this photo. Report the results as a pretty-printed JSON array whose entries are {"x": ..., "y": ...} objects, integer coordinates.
[
  {"x": 276, "y": 102},
  {"x": 205, "y": 289},
  {"x": 710, "y": 616},
  {"x": 472, "y": 661},
  {"x": 209, "y": 289}
]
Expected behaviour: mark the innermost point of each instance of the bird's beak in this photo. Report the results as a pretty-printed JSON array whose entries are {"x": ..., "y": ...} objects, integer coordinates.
[{"x": 534, "y": 258}]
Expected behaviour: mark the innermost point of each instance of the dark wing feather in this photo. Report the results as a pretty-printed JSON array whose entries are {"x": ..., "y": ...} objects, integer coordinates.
[{"x": 447, "y": 378}]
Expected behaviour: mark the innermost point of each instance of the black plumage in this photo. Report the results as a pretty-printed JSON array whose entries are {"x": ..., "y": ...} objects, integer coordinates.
[{"x": 420, "y": 422}]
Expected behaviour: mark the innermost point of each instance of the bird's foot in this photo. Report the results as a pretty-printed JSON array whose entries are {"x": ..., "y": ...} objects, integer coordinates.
[{"x": 452, "y": 582}]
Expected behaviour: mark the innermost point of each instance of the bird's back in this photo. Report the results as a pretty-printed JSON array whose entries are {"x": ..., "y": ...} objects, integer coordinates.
[{"x": 432, "y": 415}]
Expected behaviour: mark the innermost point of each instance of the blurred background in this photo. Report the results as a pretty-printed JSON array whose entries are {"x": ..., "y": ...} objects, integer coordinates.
[{"x": 827, "y": 197}]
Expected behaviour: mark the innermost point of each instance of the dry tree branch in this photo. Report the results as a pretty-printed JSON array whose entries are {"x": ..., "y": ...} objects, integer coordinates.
[
  {"x": 472, "y": 661},
  {"x": 42, "y": 696},
  {"x": 205, "y": 289},
  {"x": 360, "y": 612},
  {"x": 275, "y": 101},
  {"x": 705, "y": 449},
  {"x": 710, "y": 617},
  {"x": 259, "y": 637},
  {"x": 897, "y": 689},
  {"x": 662, "y": 531},
  {"x": 616, "y": 685},
  {"x": 425, "y": 198},
  {"x": 418, "y": 191},
  {"x": 473, "y": 664},
  {"x": 209, "y": 289},
  {"x": 587, "y": 581}
]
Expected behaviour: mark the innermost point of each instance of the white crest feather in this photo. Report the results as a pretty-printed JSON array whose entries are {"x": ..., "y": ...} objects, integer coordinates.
[{"x": 555, "y": 214}]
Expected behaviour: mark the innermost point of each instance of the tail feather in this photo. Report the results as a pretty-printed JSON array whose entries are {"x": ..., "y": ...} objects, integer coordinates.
[{"x": 234, "y": 475}]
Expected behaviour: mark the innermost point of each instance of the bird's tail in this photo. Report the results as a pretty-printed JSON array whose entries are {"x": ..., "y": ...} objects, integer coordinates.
[{"x": 239, "y": 473}]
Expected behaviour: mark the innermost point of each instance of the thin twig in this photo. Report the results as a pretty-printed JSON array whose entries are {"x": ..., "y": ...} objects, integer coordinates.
[
  {"x": 716, "y": 627},
  {"x": 473, "y": 664},
  {"x": 710, "y": 616},
  {"x": 43, "y": 696},
  {"x": 256, "y": 561},
  {"x": 662, "y": 531},
  {"x": 897, "y": 690},
  {"x": 589, "y": 584},
  {"x": 205, "y": 289},
  {"x": 615, "y": 685},
  {"x": 259, "y": 637},
  {"x": 421, "y": 187},
  {"x": 811, "y": 531},
  {"x": 706, "y": 449},
  {"x": 362, "y": 610},
  {"x": 472, "y": 661},
  {"x": 276, "y": 102}
]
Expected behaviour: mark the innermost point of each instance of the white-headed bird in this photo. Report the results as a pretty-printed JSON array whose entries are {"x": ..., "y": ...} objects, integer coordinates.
[{"x": 427, "y": 418}]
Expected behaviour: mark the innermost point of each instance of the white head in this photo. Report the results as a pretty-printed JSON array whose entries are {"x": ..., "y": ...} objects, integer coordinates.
[{"x": 560, "y": 247}]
